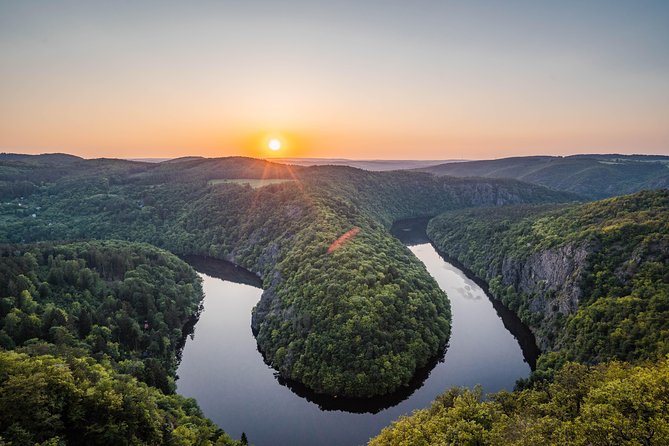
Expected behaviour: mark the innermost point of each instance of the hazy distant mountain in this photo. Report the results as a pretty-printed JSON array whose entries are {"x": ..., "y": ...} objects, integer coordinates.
[
  {"x": 45, "y": 158},
  {"x": 374, "y": 165},
  {"x": 593, "y": 176},
  {"x": 155, "y": 160}
]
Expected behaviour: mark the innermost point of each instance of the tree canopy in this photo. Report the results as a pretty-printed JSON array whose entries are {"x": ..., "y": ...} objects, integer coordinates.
[
  {"x": 618, "y": 252},
  {"x": 615, "y": 403},
  {"x": 51, "y": 400}
]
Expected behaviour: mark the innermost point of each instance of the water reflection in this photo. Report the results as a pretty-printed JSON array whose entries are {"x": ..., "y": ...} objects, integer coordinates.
[
  {"x": 364, "y": 405},
  {"x": 224, "y": 371},
  {"x": 223, "y": 270},
  {"x": 413, "y": 232},
  {"x": 468, "y": 293},
  {"x": 229, "y": 272}
]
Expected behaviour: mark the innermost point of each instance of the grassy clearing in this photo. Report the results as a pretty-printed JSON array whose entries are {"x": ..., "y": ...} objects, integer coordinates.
[{"x": 253, "y": 182}]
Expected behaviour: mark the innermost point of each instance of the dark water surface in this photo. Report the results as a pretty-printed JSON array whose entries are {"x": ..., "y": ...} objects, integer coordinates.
[{"x": 222, "y": 368}]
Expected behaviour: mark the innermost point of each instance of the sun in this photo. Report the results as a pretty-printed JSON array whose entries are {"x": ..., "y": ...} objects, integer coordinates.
[{"x": 274, "y": 144}]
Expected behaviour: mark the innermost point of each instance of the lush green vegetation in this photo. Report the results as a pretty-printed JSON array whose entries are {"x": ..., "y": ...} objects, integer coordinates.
[
  {"x": 615, "y": 302},
  {"x": 49, "y": 400},
  {"x": 118, "y": 301},
  {"x": 87, "y": 322},
  {"x": 592, "y": 281},
  {"x": 357, "y": 321},
  {"x": 347, "y": 309},
  {"x": 592, "y": 176},
  {"x": 612, "y": 404}
]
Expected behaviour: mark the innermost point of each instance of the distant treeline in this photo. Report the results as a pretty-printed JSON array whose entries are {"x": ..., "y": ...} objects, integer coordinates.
[{"x": 591, "y": 176}]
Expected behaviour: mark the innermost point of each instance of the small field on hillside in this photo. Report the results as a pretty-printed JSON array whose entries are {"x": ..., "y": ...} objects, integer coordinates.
[{"x": 253, "y": 182}]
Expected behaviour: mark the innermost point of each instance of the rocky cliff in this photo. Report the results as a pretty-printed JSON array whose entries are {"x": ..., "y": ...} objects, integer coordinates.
[
  {"x": 590, "y": 280},
  {"x": 550, "y": 280}
]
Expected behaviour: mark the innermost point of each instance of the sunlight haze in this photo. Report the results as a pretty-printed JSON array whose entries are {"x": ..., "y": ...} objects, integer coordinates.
[{"x": 362, "y": 80}]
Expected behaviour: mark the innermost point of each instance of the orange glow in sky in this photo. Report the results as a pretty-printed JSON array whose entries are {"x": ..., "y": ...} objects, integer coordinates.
[{"x": 442, "y": 80}]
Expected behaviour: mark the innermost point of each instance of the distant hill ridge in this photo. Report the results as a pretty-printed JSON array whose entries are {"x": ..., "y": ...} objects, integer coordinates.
[
  {"x": 44, "y": 158},
  {"x": 592, "y": 176},
  {"x": 370, "y": 164}
]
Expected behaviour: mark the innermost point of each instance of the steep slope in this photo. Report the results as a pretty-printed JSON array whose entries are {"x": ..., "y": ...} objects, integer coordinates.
[{"x": 590, "y": 280}]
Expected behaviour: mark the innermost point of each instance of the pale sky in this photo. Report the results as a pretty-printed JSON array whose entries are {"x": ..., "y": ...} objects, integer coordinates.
[{"x": 346, "y": 79}]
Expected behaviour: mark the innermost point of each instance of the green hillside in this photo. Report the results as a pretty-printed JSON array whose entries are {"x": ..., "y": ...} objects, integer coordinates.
[
  {"x": 591, "y": 176},
  {"x": 592, "y": 282}
]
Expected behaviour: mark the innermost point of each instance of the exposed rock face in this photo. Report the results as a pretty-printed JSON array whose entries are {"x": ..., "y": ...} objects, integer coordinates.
[
  {"x": 551, "y": 280},
  {"x": 542, "y": 280}
]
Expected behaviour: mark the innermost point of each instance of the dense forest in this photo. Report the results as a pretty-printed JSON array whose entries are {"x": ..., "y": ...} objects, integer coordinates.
[
  {"x": 354, "y": 321},
  {"x": 76, "y": 400},
  {"x": 125, "y": 302},
  {"x": 90, "y": 302},
  {"x": 591, "y": 176},
  {"x": 96, "y": 329},
  {"x": 591, "y": 280}
]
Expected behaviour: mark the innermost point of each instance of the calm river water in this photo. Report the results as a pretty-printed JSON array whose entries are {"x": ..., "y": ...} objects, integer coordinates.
[{"x": 222, "y": 368}]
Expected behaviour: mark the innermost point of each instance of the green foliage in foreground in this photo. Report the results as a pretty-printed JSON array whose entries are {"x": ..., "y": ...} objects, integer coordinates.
[
  {"x": 54, "y": 401},
  {"x": 126, "y": 302},
  {"x": 87, "y": 321},
  {"x": 609, "y": 404},
  {"x": 623, "y": 311}
]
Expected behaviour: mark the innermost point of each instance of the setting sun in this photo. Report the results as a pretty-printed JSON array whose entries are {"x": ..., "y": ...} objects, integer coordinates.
[{"x": 274, "y": 144}]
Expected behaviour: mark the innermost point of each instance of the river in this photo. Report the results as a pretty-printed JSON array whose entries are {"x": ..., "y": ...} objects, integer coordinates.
[{"x": 222, "y": 368}]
